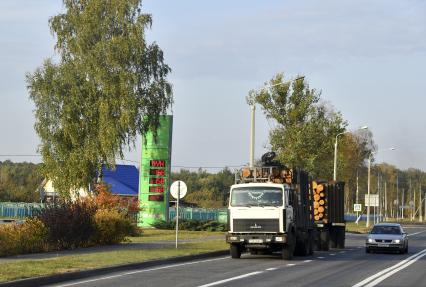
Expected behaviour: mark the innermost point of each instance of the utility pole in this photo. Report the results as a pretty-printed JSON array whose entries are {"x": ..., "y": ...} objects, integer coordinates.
[
  {"x": 386, "y": 204},
  {"x": 397, "y": 196},
  {"x": 367, "y": 224},
  {"x": 253, "y": 111},
  {"x": 420, "y": 204},
  {"x": 402, "y": 204},
  {"x": 357, "y": 192}
]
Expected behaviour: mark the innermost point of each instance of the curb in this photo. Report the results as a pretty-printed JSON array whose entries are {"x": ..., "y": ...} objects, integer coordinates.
[{"x": 58, "y": 278}]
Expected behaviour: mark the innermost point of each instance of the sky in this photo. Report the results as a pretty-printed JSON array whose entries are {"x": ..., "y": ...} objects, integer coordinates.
[{"x": 368, "y": 58}]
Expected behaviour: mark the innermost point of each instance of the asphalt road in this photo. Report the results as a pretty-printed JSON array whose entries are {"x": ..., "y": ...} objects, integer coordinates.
[{"x": 349, "y": 267}]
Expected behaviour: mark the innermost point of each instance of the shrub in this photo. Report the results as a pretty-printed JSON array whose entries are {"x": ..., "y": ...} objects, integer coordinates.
[
  {"x": 27, "y": 237},
  {"x": 70, "y": 225},
  {"x": 112, "y": 226},
  {"x": 192, "y": 225}
]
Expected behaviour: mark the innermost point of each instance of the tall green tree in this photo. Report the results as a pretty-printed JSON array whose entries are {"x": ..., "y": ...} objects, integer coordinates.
[
  {"x": 306, "y": 126},
  {"x": 108, "y": 86}
]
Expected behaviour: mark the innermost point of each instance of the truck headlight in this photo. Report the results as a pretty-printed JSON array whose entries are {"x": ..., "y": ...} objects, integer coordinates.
[
  {"x": 397, "y": 241},
  {"x": 233, "y": 238},
  {"x": 370, "y": 240},
  {"x": 279, "y": 239}
]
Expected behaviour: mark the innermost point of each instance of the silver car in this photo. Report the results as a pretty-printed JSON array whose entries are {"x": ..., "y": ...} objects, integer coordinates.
[{"x": 387, "y": 236}]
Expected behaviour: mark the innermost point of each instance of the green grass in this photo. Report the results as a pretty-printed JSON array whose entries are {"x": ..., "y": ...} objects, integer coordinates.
[
  {"x": 42, "y": 267},
  {"x": 357, "y": 228},
  {"x": 161, "y": 235}
]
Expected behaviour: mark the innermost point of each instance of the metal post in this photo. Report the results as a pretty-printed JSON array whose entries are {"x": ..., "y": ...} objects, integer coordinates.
[
  {"x": 386, "y": 204},
  {"x": 177, "y": 214},
  {"x": 402, "y": 203},
  {"x": 379, "y": 209},
  {"x": 253, "y": 109},
  {"x": 368, "y": 192},
  {"x": 420, "y": 204},
  {"x": 357, "y": 194},
  {"x": 397, "y": 196},
  {"x": 335, "y": 160}
]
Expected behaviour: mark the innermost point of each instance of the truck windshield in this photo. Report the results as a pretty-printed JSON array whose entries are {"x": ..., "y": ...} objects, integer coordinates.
[{"x": 257, "y": 196}]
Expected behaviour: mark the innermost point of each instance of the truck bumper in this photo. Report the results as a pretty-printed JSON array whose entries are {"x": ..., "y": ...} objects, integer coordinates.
[{"x": 258, "y": 241}]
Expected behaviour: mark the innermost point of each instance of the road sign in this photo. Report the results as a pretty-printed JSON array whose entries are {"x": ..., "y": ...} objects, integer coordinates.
[
  {"x": 372, "y": 201},
  {"x": 178, "y": 189},
  {"x": 357, "y": 207}
]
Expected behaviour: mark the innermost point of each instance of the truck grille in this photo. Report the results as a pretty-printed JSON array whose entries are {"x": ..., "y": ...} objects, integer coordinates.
[{"x": 256, "y": 225}]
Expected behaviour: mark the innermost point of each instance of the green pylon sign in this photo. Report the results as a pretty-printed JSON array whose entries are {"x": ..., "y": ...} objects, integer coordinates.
[{"x": 154, "y": 174}]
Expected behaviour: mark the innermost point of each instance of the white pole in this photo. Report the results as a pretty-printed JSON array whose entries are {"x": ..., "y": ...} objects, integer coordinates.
[
  {"x": 335, "y": 160},
  {"x": 357, "y": 194},
  {"x": 397, "y": 196},
  {"x": 386, "y": 204},
  {"x": 253, "y": 109},
  {"x": 177, "y": 214},
  {"x": 368, "y": 192},
  {"x": 402, "y": 203},
  {"x": 420, "y": 204}
]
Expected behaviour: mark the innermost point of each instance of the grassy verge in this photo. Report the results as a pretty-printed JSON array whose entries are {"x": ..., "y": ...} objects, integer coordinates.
[
  {"x": 32, "y": 268},
  {"x": 161, "y": 235},
  {"x": 357, "y": 228}
]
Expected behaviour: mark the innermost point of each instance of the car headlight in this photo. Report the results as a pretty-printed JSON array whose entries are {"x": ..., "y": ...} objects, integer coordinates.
[
  {"x": 370, "y": 240},
  {"x": 279, "y": 239},
  {"x": 397, "y": 241},
  {"x": 233, "y": 238}
]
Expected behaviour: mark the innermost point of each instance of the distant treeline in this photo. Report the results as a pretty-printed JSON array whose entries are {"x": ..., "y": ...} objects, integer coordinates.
[
  {"x": 208, "y": 190},
  {"x": 19, "y": 181}
]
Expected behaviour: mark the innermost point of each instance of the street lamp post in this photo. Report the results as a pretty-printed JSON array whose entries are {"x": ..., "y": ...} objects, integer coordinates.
[
  {"x": 335, "y": 151},
  {"x": 367, "y": 224}
]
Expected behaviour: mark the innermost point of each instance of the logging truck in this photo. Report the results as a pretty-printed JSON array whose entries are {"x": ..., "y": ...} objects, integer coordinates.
[
  {"x": 329, "y": 215},
  {"x": 271, "y": 209}
]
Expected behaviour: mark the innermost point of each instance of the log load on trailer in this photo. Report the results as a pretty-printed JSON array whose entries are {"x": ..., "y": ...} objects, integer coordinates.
[
  {"x": 329, "y": 214},
  {"x": 270, "y": 209}
]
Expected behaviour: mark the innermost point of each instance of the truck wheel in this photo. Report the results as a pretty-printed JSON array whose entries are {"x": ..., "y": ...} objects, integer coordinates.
[
  {"x": 287, "y": 253},
  {"x": 340, "y": 240},
  {"x": 311, "y": 245},
  {"x": 325, "y": 240},
  {"x": 235, "y": 251}
]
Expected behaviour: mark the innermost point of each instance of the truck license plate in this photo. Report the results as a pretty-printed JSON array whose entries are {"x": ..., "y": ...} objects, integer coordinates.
[
  {"x": 383, "y": 245},
  {"x": 255, "y": 241}
]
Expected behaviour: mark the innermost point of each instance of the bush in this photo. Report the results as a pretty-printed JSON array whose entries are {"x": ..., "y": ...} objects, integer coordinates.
[
  {"x": 70, "y": 225},
  {"x": 192, "y": 225},
  {"x": 112, "y": 227},
  {"x": 28, "y": 237}
]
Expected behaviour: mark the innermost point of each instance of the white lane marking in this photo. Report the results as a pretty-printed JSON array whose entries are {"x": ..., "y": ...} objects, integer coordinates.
[
  {"x": 271, "y": 269},
  {"x": 307, "y": 261},
  {"x": 380, "y": 279},
  {"x": 141, "y": 271},
  {"x": 389, "y": 269},
  {"x": 291, "y": 264},
  {"x": 332, "y": 254},
  {"x": 320, "y": 257},
  {"x": 231, "y": 279},
  {"x": 415, "y": 233}
]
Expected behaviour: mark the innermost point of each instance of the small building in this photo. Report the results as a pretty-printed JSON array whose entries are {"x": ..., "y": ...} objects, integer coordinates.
[{"x": 123, "y": 181}]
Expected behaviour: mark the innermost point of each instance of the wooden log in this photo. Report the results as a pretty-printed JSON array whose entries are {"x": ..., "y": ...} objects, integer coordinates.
[
  {"x": 322, "y": 202},
  {"x": 321, "y": 215},
  {"x": 320, "y": 187},
  {"x": 246, "y": 172},
  {"x": 321, "y": 209},
  {"x": 314, "y": 184},
  {"x": 315, "y": 211},
  {"x": 317, "y": 217},
  {"x": 316, "y": 204},
  {"x": 322, "y": 194},
  {"x": 317, "y": 197}
]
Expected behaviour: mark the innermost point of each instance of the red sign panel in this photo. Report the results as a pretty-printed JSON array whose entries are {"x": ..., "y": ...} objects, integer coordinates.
[
  {"x": 158, "y": 189},
  {"x": 155, "y": 197},
  {"x": 157, "y": 163},
  {"x": 157, "y": 180},
  {"x": 157, "y": 172}
]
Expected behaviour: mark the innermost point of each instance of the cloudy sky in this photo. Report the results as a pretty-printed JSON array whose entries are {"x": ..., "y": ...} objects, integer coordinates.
[{"x": 367, "y": 57}]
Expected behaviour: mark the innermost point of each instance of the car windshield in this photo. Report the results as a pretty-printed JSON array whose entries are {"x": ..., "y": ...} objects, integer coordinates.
[
  {"x": 386, "y": 230},
  {"x": 257, "y": 196}
]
